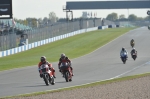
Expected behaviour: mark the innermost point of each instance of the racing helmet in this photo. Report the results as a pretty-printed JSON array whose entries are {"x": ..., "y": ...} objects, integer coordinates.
[
  {"x": 132, "y": 40},
  {"x": 123, "y": 48},
  {"x": 43, "y": 59},
  {"x": 63, "y": 55}
]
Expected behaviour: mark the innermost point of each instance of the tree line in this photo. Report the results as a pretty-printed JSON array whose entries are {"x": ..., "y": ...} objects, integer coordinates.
[
  {"x": 52, "y": 18},
  {"x": 131, "y": 17}
]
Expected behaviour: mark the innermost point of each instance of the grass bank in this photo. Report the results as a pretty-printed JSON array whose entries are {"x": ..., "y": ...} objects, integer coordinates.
[{"x": 73, "y": 47}]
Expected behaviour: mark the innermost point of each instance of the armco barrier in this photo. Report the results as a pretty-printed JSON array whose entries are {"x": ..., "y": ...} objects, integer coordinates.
[{"x": 42, "y": 42}]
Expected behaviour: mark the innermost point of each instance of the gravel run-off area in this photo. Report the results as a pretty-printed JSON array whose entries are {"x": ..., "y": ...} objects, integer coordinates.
[{"x": 138, "y": 88}]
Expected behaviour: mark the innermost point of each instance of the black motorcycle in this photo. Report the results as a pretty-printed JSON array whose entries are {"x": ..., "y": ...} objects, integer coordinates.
[
  {"x": 132, "y": 44},
  {"x": 134, "y": 55}
]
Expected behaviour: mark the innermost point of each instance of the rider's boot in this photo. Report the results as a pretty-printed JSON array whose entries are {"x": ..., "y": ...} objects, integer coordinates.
[
  {"x": 72, "y": 71},
  {"x": 54, "y": 74}
]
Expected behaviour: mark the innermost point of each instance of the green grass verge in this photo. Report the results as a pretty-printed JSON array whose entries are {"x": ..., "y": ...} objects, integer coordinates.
[
  {"x": 73, "y": 47},
  {"x": 82, "y": 86}
]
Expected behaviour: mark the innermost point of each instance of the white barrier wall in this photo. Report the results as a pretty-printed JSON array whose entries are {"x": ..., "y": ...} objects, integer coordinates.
[
  {"x": 0, "y": 54},
  {"x": 42, "y": 42}
]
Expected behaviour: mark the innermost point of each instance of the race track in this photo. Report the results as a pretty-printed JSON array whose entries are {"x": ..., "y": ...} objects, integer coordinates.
[{"x": 104, "y": 63}]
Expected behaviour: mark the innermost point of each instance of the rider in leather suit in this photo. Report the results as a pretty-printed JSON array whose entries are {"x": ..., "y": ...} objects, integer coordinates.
[
  {"x": 64, "y": 58},
  {"x": 122, "y": 51},
  {"x": 43, "y": 61}
]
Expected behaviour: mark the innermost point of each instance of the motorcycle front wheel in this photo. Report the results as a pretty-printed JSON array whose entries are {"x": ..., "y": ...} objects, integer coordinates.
[
  {"x": 66, "y": 76},
  {"x": 45, "y": 77}
]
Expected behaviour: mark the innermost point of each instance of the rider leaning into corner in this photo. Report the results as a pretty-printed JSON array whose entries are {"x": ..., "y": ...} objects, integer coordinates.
[
  {"x": 122, "y": 51},
  {"x": 44, "y": 61},
  {"x": 64, "y": 58}
]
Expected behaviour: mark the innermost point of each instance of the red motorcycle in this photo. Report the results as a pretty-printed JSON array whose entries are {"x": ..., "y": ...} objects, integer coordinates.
[
  {"x": 66, "y": 71},
  {"x": 47, "y": 74}
]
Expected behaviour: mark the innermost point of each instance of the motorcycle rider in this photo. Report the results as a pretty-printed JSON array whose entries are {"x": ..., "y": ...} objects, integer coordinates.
[
  {"x": 44, "y": 61},
  {"x": 133, "y": 51},
  {"x": 122, "y": 51},
  {"x": 64, "y": 58},
  {"x": 132, "y": 41}
]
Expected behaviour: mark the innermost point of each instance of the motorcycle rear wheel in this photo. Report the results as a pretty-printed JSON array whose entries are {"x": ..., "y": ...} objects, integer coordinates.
[{"x": 52, "y": 81}]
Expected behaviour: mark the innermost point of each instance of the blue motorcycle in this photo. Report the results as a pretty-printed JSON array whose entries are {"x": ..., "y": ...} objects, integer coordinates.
[{"x": 124, "y": 57}]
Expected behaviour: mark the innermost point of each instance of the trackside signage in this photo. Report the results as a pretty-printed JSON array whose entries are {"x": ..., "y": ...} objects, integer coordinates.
[{"x": 6, "y": 7}]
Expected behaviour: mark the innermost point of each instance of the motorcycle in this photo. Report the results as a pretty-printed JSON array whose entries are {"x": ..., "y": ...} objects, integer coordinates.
[
  {"x": 149, "y": 27},
  {"x": 124, "y": 57},
  {"x": 66, "y": 71},
  {"x": 134, "y": 55},
  {"x": 132, "y": 44},
  {"x": 47, "y": 75}
]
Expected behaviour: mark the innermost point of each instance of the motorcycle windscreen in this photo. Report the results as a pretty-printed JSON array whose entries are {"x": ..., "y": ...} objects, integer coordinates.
[
  {"x": 64, "y": 65},
  {"x": 44, "y": 67},
  {"x": 123, "y": 54}
]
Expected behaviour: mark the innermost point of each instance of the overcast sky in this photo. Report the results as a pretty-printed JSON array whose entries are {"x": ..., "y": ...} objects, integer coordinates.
[{"x": 41, "y": 8}]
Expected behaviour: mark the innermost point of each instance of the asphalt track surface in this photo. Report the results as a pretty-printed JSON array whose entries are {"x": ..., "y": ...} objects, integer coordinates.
[{"x": 103, "y": 63}]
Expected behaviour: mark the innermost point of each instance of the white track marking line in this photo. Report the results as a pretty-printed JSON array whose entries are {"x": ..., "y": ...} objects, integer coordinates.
[{"x": 92, "y": 82}]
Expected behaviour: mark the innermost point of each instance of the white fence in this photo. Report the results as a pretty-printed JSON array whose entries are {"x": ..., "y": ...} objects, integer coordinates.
[{"x": 42, "y": 42}]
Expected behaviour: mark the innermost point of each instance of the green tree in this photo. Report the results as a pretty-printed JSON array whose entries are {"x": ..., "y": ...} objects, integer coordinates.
[
  {"x": 140, "y": 18},
  {"x": 40, "y": 21},
  {"x": 45, "y": 20},
  {"x": 112, "y": 16},
  {"x": 132, "y": 17},
  {"x": 52, "y": 17},
  {"x": 147, "y": 18},
  {"x": 34, "y": 22},
  {"x": 25, "y": 22},
  {"x": 122, "y": 16}
]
